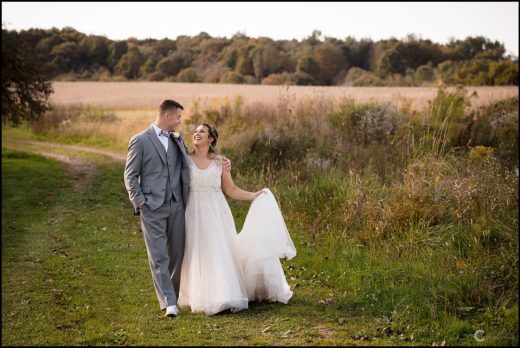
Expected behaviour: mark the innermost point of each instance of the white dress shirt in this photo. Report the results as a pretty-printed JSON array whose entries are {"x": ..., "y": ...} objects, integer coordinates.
[{"x": 162, "y": 138}]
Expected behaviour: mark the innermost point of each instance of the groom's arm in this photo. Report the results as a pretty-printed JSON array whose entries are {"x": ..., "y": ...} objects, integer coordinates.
[
  {"x": 226, "y": 164},
  {"x": 133, "y": 166}
]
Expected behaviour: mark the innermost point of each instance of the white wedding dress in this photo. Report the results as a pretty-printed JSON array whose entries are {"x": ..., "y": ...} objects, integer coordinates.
[{"x": 222, "y": 270}]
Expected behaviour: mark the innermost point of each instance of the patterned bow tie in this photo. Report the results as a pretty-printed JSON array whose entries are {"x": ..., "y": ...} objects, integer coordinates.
[{"x": 164, "y": 133}]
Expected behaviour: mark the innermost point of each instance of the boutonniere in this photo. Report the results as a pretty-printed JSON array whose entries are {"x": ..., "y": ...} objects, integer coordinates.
[{"x": 178, "y": 136}]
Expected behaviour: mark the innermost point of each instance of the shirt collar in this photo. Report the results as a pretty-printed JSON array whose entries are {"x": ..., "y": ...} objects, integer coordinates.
[{"x": 157, "y": 130}]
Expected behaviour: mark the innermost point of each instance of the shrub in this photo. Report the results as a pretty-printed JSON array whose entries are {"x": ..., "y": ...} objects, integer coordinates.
[
  {"x": 449, "y": 104},
  {"x": 213, "y": 72},
  {"x": 445, "y": 122},
  {"x": 232, "y": 77},
  {"x": 308, "y": 65},
  {"x": 358, "y": 77},
  {"x": 504, "y": 73},
  {"x": 278, "y": 79},
  {"x": 424, "y": 74},
  {"x": 481, "y": 153},
  {"x": 301, "y": 78},
  {"x": 188, "y": 75},
  {"x": 496, "y": 125},
  {"x": 155, "y": 76},
  {"x": 363, "y": 124}
]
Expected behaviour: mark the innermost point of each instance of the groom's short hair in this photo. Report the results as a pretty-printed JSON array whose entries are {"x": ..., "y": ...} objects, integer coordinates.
[{"x": 169, "y": 104}]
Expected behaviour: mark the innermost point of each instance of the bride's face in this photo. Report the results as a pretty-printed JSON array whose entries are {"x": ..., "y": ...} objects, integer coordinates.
[{"x": 201, "y": 136}]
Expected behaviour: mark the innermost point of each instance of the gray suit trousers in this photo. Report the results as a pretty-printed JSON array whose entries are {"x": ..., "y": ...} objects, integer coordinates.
[{"x": 165, "y": 250}]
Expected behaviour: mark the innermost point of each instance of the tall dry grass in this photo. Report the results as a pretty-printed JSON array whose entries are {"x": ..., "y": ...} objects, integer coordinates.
[{"x": 148, "y": 95}]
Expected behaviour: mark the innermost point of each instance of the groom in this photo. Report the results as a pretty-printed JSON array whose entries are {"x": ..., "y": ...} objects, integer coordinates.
[{"x": 157, "y": 179}]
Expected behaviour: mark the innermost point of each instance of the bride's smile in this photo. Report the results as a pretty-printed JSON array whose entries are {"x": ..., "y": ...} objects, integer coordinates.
[{"x": 200, "y": 136}]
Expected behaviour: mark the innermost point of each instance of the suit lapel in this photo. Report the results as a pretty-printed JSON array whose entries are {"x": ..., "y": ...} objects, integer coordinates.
[
  {"x": 157, "y": 144},
  {"x": 181, "y": 147}
]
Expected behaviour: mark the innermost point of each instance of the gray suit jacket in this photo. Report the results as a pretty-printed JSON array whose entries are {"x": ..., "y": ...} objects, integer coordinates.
[{"x": 146, "y": 170}]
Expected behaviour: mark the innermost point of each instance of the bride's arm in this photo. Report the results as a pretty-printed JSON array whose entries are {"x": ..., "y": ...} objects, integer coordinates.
[{"x": 234, "y": 192}]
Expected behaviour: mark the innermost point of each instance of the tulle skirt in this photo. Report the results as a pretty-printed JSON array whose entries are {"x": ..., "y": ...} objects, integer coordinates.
[
  {"x": 211, "y": 273},
  {"x": 222, "y": 270},
  {"x": 263, "y": 241}
]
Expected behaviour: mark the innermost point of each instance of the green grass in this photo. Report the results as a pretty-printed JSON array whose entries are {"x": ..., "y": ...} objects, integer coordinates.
[
  {"x": 405, "y": 235},
  {"x": 25, "y": 133},
  {"x": 75, "y": 271}
]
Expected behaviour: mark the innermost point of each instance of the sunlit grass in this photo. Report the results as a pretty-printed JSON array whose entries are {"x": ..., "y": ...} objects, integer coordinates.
[{"x": 405, "y": 236}]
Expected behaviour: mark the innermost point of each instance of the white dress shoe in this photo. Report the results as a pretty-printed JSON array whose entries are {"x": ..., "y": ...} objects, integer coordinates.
[{"x": 171, "y": 311}]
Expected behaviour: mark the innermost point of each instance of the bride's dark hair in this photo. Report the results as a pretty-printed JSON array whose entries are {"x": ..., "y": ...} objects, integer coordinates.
[{"x": 212, "y": 132}]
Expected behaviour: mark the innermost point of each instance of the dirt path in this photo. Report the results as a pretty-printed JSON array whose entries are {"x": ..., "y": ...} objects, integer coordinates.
[
  {"x": 78, "y": 169},
  {"x": 111, "y": 154}
]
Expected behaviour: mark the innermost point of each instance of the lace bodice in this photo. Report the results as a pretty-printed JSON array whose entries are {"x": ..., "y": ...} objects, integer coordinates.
[{"x": 204, "y": 180}]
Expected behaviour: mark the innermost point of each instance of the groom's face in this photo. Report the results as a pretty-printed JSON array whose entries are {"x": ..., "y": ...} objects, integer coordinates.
[{"x": 173, "y": 118}]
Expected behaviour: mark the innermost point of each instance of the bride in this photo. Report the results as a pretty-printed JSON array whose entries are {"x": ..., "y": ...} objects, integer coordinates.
[{"x": 222, "y": 270}]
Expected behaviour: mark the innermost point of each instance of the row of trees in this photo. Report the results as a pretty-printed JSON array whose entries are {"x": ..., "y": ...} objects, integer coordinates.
[{"x": 68, "y": 54}]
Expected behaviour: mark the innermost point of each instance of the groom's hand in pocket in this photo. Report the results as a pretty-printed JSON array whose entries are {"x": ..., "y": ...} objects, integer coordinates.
[
  {"x": 137, "y": 211},
  {"x": 226, "y": 164}
]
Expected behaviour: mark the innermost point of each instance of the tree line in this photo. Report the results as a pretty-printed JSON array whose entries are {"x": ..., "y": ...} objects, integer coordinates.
[{"x": 67, "y": 54}]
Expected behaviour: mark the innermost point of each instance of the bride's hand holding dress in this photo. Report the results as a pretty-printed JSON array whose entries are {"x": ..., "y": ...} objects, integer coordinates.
[{"x": 234, "y": 192}]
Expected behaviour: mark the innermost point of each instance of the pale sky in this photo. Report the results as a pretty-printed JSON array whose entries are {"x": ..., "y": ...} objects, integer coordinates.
[{"x": 437, "y": 21}]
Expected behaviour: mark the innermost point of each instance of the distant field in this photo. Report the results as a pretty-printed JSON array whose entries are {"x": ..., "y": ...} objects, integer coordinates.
[{"x": 144, "y": 95}]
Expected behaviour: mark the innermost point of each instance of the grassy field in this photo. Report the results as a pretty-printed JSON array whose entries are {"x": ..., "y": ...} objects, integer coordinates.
[
  {"x": 74, "y": 271},
  {"x": 405, "y": 234}
]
